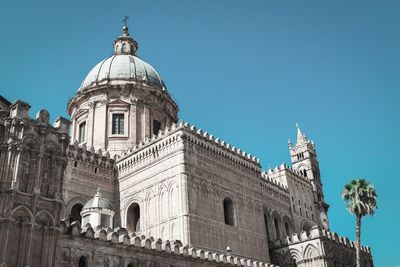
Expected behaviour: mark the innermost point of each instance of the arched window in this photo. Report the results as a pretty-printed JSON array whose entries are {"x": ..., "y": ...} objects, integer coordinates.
[
  {"x": 83, "y": 262},
  {"x": 266, "y": 226},
  {"x": 276, "y": 224},
  {"x": 75, "y": 214},
  {"x": 133, "y": 218},
  {"x": 130, "y": 265},
  {"x": 287, "y": 228},
  {"x": 229, "y": 212}
]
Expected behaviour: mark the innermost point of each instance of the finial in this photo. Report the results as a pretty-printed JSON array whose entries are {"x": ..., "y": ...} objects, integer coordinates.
[
  {"x": 300, "y": 136},
  {"x": 125, "y": 31},
  {"x": 125, "y": 21},
  {"x": 98, "y": 192}
]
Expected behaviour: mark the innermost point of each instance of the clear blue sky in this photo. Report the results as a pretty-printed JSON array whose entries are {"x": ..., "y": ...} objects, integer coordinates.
[{"x": 246, "y": 71}]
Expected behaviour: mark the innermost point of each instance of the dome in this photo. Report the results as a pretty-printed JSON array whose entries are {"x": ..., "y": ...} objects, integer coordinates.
[
  {"x": 98, "y": 202},
  {"x": 123, "y": 67}
]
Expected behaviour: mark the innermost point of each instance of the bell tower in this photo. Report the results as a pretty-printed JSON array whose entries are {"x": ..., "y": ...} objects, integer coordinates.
[{"x": 304, "y": 160}]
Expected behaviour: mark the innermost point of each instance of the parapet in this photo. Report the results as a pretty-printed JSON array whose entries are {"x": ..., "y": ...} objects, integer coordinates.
[
  {"x": 174, "y": 248},
  {"x": 273, "y": 182},
  {"x": 82, "y": 153},
  {"x": 317, "y": 232},
  {"x": 191, "y": 134},
  {"x": 271, "y": 173}
]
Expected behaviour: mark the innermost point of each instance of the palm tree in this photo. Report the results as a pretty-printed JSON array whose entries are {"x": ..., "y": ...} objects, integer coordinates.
[{"x": 361, "y": 200}]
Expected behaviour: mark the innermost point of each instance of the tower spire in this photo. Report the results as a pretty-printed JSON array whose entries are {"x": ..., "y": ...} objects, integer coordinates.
[{"x": 300, "y": 136}]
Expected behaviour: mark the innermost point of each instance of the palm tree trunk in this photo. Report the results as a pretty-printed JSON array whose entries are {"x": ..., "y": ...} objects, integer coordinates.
[{"x": 358, "y": 237}]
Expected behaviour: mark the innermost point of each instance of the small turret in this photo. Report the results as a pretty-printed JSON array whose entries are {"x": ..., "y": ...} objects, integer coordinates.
[{"x": 98, "y": 211}]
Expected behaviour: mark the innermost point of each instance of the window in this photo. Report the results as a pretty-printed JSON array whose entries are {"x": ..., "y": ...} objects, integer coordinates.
[
  {"x": 229, "y": 212},
  {"x": 117, "y": 123},
  {"x": 105, "y": 220},
  {"x": 156, "y": 126},
  {"x": 278, "y": 235},
  {"x": 82, "y": 129},
  {"x": 287, "y": 228},
  {"x": 76, "y": 213},
  {"x": 83, "y": 262},
  {"x": 133, "y": 218},
  {"x": 266, "y": 226},
  {"x": 86, "y": 219}
]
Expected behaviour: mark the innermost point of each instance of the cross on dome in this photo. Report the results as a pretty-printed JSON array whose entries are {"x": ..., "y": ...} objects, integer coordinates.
[{"x": 125, "y": 20}]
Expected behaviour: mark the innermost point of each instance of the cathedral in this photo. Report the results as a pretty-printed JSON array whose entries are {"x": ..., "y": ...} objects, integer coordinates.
[{"x": 125, "y": 183}]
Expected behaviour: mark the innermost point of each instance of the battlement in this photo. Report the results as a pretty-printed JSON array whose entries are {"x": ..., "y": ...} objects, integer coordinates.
[
  {"x": 273, "y": 182},
  {"x": 174, "y": 248},
  {"x": 316, "y": 232},
  {"x": 90, "y": 156},
  {"x": 283, "y": 168},
  {"x": 198, "y": 137}
]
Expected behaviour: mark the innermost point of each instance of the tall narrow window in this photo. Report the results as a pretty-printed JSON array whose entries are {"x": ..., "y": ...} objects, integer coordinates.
[
  {"x": 105, "y": 220},
  {"x": 117, "y": 123},
  {"x": 76, "y": 213},
  {"x": 266, "y": 226},
  {"x": 278, "y": 235},
  {"x": 287, "y": 228},
  {"x": 82, "y": 129},
  {"x": 229, "y": 212},
  {"x": 133, "y": 218},
  {"x": 83, "y": 262},
  {"x": 156, "y": 126}
]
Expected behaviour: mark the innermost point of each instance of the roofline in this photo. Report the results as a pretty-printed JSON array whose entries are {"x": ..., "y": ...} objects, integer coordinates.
[{"x": 5, "y": 100}]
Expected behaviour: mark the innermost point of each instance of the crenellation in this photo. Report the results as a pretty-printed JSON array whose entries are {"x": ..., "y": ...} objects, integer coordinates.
[{"x": 172, "y": 248}]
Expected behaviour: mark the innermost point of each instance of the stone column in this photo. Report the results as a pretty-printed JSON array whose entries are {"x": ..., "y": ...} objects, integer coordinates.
[
  {"x": 184, "y": 225},
  {"x": 146, "y": 127},
  {"x": 17, "y": 168},
  {"x": 132, "y": 124}
]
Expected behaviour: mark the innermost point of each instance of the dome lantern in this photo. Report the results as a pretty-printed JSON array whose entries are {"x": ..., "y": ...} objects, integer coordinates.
[{"x": 125, "y": 44}]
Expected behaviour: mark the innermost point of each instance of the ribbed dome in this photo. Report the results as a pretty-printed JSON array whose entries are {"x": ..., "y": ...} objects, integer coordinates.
[
  {"x": 122, "y": 69},
  {"x": 98, "y": 202}
]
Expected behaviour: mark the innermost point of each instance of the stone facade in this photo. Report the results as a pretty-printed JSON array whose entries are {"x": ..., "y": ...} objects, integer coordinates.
[{"x": 160, "y": 179}]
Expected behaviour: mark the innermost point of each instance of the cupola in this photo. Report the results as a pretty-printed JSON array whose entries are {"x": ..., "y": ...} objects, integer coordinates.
[
  {"x": 98, "y": 211},
  {"x": 125, "y": 44}
]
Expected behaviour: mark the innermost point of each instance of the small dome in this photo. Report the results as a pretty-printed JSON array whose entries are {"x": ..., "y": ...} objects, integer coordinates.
[
  {"x": 98, "y": 202},
  {"x": 122, "y": 69}
]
